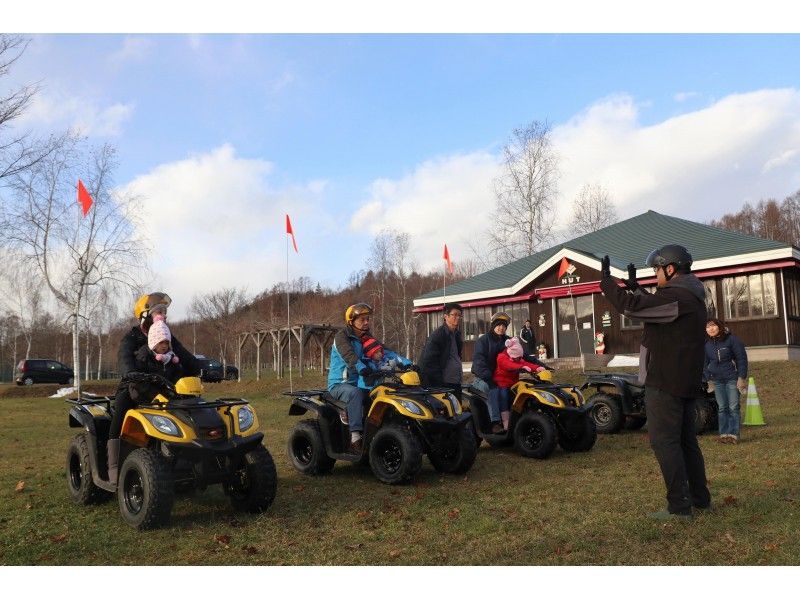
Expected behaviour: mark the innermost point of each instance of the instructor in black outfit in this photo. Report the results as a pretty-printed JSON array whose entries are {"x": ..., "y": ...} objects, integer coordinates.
[{"x": 671, "y": 369}]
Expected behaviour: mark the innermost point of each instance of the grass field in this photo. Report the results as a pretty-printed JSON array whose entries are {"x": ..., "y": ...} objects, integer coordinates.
[{"x": 572, "y": 509}]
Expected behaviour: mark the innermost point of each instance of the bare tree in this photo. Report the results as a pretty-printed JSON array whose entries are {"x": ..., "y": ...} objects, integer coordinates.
[
  {"x": 18, "y": 150},
  {"x": 525, "y": 191},
  {"x": 22, "y": 297},
  {"x": 70, "y": 252},
  {"x": 380, "y": 262},
  {"x": 220, "y": 309},
  {"x": 592, "y": 210}
]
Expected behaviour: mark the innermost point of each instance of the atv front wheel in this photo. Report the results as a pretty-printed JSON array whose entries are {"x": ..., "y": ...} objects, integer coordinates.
[
  {"x": 579, "y": 434},
  {"x": 395, "y": 455},
  {"x": 145, "y": 491},
  {"x": 306, "y": 449},
  {"x": 457, "y": 455},
  {"x": 606, "y": 413},
  {"x": 535, "y": 435},
  {"x": 79, "y": 474},
  {"x": 253, "y": 486}
]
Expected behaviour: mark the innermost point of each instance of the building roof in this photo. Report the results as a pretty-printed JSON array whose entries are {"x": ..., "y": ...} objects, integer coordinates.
[{"x": 628, "y": 241}]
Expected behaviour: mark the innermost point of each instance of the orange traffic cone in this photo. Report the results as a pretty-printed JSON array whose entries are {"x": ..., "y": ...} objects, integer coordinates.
[{"x": 752, "y": 412}]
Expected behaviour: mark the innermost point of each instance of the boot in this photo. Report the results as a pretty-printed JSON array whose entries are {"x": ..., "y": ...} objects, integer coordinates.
[
  {"x": 113, "y": 455},
  {"x": 504, "y": 415}
]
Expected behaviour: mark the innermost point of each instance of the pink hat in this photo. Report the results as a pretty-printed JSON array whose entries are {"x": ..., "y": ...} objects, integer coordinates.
[
  {"x": 514, "y": 348},
  {"x": 159, "y": 331}
]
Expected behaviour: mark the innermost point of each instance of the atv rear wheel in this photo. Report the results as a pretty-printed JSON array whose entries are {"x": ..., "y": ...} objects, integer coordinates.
[
  {"x": 145, "y": 491},
  {"x": 535, "y": 435},
  {"x": 606, "y": 413},
  {"x": 254, "y": 484},
  {"x": 82, "y": 489},
  {"x": 306, "y": 449},
  {"x": 579, "y": 434},
  {"x": 458, "y": 455},
  {"x": 395, "y": 455}
]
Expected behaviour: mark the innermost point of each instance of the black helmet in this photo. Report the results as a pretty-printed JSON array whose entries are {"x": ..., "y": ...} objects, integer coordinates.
[{"x": 670, "y": 254}]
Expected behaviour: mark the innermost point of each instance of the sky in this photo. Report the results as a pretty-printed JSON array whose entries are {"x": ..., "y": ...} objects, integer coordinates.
[{"x": 221, "y": 135}]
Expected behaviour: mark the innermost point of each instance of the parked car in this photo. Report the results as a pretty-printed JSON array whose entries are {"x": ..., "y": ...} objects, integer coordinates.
[
  {"x": 43, "y": 370},
  {"x": 211, "y": 370},
  {"x": 231, "y": 372}
]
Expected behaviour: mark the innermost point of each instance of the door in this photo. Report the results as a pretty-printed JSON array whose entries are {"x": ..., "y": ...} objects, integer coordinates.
[{"x": 571, "y": 338}]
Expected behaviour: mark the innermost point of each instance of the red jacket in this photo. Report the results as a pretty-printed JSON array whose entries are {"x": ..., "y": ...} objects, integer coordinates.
[{"x": 507, "y": 372}]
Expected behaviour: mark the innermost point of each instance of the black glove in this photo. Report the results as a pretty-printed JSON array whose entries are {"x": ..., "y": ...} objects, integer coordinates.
[
  {"x": 605, "y": 267},
  {"x": 631, "y": 283}
]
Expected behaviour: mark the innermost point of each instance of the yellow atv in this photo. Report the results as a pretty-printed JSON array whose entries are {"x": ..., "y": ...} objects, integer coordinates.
[
  {"x": 542, "y": 415},
  {"x": 176, "y": 441},
  {"x": 403, "y": 422}
]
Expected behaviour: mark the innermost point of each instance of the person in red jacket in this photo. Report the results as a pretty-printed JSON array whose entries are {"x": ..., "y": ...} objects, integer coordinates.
[{"x": 509, "y": 364}]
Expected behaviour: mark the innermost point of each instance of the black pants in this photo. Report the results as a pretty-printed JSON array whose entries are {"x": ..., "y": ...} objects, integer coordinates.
[
  {"x": 122, "y": 403},
  {"x": 670, "y": 423}
]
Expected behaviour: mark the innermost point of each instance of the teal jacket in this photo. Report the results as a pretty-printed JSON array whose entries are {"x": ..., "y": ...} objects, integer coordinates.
[{"x": 348, "y": 362}]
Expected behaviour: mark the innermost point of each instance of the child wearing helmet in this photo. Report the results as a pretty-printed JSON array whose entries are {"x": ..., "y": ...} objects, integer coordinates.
[{"x": 509, "y": 364}]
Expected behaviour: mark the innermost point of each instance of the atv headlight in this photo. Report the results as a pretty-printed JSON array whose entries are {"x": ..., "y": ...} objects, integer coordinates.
[
  {"x": 550, "y": 398},
  {"x": 412, "y": 407},
  {"x": 245, "y": 417},
  {"x": 164, "y": 425}
]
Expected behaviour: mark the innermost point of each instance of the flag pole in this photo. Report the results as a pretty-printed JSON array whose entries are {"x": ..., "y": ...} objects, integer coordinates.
[{"x": 288, "y": 318}]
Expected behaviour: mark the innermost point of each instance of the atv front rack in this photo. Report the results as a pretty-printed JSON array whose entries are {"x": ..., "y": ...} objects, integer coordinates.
[{"x": 313, "y": 392}]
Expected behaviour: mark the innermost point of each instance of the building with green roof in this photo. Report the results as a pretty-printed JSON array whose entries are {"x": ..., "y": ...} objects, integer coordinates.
[{"x": 752, "y": 284}]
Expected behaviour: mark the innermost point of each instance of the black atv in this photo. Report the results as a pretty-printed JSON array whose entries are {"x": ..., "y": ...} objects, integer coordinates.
[
  {"x": 403, "y": 422},
  {"x": 542, "y": 415},
  {"x": 175, "y": 442},
  {"x": 619, "y": 404}
]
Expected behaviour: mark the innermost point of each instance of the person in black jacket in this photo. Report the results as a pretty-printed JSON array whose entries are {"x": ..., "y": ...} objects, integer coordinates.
[
  {"x": 671, "y": 369},
  {"x": 440, "y": 362},
  {"x": 484, "y": 363},
  {"x": 527, "y": 339},
  {"x": 145, "y": 308}
]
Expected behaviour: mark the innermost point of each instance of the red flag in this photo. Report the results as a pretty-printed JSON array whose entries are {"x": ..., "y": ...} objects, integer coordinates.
[
  {"x": 289, "y": 231},
  {"x": 446, "y": 258},
  {"x": 84, "y": 198},
  {"x": 563, "y": 267}
]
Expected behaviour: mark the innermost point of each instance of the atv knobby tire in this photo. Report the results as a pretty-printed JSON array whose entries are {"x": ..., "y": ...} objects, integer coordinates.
[
  {"x": 255, "y": 482},
  {"x": 535, "y": 435},
  {"x": 306, "y": 449},
  {"x": 579, "y": 435},
  {"x": 145, "y": 490},
  {"x": 82, "y": 489},
  {"x": 458, "y": 455},
  {"x": 606, "y": 413},
  {"x": 395, "y": 455}
]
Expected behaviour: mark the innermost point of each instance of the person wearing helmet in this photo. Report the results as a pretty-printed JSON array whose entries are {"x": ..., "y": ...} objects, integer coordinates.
[
  {"x": 347, "y": 363},
  {"x": 671, "y": 360},
  {"x": 484, "y": 364},
  {"x": 144, "y": 310}
]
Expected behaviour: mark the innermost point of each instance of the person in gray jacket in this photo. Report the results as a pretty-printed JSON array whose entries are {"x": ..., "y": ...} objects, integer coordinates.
[{"x": 671, "y": 369}]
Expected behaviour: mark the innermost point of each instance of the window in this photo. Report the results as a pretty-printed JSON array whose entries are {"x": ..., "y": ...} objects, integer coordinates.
[
  {"x": 711, "y": 297},
  {"x": 792, "y": 294},
  {"x": 752, "y": 296}
]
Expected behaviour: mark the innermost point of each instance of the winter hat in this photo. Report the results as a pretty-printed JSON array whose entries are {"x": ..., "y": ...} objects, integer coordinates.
[
  {"x": 371, "y": 346},
  {"x": 159, "y": 331},
  {"x": 514, "y": 348}
]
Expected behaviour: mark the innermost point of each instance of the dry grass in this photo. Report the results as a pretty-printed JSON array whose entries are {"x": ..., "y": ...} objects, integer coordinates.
[{"x": 574, "y": 509}]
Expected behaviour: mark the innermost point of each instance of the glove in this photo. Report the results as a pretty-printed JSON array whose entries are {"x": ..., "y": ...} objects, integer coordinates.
[
  {"x": 388, "y": 366},
  {"x": 710, "y": 386},
  {"x": 605, "y": 267},
  {"x": 741, "y": 384},
  {"x": 537, "y": 370},
  {"x": 526, "y": 368},
  {"x": 631, "y": 283}
]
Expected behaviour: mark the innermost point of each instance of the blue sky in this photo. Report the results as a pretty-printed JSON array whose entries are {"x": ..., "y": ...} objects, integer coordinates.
[{"x": 223, "y": 134}]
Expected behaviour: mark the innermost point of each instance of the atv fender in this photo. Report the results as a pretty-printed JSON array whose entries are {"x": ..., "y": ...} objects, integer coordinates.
[{"x": 622, "y": 387}]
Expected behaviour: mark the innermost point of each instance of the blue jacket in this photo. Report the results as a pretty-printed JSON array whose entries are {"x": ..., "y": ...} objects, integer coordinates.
[
  {"x": 726, "y": 359},
  {"x": 348, "y": 362}
]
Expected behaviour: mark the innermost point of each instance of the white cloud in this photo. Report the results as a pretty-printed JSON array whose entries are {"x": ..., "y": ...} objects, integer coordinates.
[
  {"x": 698, "y": 165},
  {"x": 57, "y": 109},
  {"x": 446, "y": 200},
  {"x": 214, "y": 221},
  {"x": 683, "y": 96},
  {"x": 134, "y": 49}
]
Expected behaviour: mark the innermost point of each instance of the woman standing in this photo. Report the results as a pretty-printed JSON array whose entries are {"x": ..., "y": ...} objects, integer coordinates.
[{"x": 726, "y": 372}]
